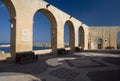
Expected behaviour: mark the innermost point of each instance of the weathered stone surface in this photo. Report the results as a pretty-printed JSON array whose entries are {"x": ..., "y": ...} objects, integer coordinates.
[
  {"x": 22, "y": 14},
  {"x": 108, "y": 33},
  {"x": 21, "y": 17}
]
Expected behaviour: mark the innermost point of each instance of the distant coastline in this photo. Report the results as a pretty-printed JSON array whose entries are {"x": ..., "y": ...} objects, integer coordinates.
[
  {"x": 5, "y": 45},
  {"x": 42, "y": 45},
  {"x": 35, "y": 44},
  {"x": 2, "y": 45}
]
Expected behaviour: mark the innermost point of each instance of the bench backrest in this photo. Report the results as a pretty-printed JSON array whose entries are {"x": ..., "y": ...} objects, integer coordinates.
[
  {"x": 61, "y": 49},
  {"x": 25, "y": 54}
]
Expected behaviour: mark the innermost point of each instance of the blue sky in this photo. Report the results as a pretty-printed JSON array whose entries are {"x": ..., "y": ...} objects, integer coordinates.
[{"x": 90, "y": 12}]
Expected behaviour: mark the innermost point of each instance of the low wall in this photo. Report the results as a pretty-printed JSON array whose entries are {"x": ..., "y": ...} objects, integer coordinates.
[
  {"x": 4, "y": 56},
  {"x": 39, "y": 52}
]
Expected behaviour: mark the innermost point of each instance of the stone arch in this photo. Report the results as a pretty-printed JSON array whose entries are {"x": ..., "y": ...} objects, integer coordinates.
[
  {"x": 71, "y": 34},
  {"x": 10, "y": 7},
  {"x": 81, "y": 37},
  {"x": 12, "y": 11},
  {"x": 99, "y": 43},
  {"x": 53, "y": 28}
]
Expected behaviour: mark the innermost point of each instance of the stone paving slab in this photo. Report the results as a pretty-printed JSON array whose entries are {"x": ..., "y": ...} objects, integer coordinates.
[
  {"x": 115, "y": 61},
  {"x": 17, "y": 77},
  {"x": 66, "y": 68},
  {"x": 108, "y": 75},
  {"x": 64, "y": 73},
  {"x": 83, "y": 63}
]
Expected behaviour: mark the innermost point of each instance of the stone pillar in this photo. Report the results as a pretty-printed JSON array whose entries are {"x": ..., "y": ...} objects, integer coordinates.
[
  {"x": 72, "y": 39},
  {"x": 23, "y": 40},
  {"x": 86, "y": 31},
  {"x": 76, "y": 37},
  {"x": 60, "y": 36},
  {"x": 82, "y": 38},
  {"x": 54, "y": 39}
]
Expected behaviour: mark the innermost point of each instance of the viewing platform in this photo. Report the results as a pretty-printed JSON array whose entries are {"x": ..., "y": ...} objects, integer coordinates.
[{"x": 79, "y": 66}]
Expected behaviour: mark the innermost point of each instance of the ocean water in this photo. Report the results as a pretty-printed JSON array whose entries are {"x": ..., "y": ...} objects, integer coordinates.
[{"x": 7, "y": 49}]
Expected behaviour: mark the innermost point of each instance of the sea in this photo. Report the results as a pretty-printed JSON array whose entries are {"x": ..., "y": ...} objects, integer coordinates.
[{"x": 7, "y": 49}]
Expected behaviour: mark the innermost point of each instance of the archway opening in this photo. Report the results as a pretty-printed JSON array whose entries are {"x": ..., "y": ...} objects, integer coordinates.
[
  {"x": 69, "y": 39},
  {"x": 118, "y": 40},
  {"x": 4, "y": 29},
  {"x": 66, "y": 36},
  {"x": 9, "y": 25},
  {"x": 81, "y": 37},
  {"x": 44, "y": 31},
  {"x": 100, "y": 43}
]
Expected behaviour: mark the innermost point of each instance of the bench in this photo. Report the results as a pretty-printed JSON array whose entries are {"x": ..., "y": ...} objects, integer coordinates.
[
  {"x": 25, "y": 56},
  {"x": 62, "y": 51},
  {"x": 77, "y": 49}
]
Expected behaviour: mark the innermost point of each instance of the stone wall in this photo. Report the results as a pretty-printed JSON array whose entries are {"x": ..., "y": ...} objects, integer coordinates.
[
  {"x": 108, "y": 35},
  {"x": 22, "y": 13}
]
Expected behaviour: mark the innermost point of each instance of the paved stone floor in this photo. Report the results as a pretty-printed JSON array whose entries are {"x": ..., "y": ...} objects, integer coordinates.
[{"x": 73, "y": 67}]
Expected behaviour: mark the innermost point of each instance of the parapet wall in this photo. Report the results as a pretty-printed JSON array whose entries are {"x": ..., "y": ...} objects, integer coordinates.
[{"x": 108, "y": 35}]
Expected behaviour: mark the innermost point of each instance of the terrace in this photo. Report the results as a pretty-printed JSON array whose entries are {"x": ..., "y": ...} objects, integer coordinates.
[{"x": 80, "y": 66}]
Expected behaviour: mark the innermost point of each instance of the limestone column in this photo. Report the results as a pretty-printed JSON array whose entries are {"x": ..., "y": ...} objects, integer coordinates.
[
  {"x": 60, "y": 37},
  {"x": 54, "y": 39},
  {"x": 76, "y": 37},
  {"x": 24, "y": 31},
  {"x": 72, "y": 39},
  {"x": 86, "y": 32}
]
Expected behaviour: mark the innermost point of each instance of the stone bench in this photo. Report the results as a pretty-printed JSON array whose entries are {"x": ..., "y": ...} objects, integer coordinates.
[
  {"x": 78, "y": 49},
  {"x": 25, "y": 56},
  {"x": 62, "y": 51}
]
